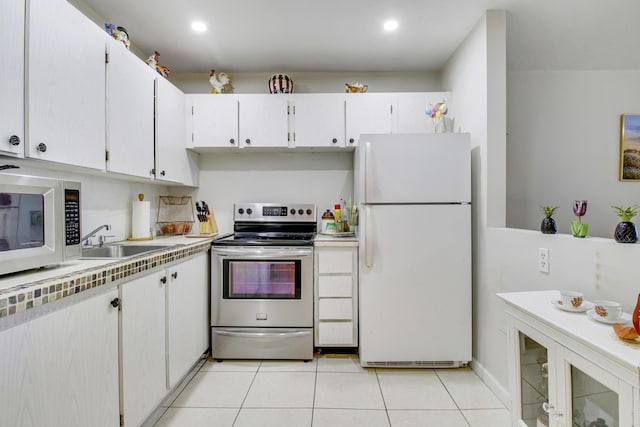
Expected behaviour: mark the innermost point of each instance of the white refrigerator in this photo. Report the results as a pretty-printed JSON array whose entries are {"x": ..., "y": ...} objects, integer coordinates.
[{"x": 414, "y": 193}]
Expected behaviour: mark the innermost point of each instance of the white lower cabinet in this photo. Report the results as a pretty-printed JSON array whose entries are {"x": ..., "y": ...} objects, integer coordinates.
[
  {"x": 336, "y": 294},
  {"x": 187, "y": 315},
  {"x": 559, "y": 376},
  {"x": 163, "y": 332},
  {"x": 61, "y": 369},
  {"x": 142, "y": 347}
]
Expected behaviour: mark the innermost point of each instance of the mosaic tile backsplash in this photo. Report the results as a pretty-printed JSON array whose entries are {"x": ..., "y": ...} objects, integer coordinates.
[{"x": 33, "y": 294}]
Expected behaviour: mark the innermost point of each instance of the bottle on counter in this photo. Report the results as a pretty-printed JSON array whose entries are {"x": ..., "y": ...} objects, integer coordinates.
[
  {"x": 328, "y": 224},
  {"x": 337, "y": 212}
]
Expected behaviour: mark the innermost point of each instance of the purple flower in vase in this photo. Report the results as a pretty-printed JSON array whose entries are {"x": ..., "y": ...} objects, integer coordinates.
[{"x": 579, "y": 208}]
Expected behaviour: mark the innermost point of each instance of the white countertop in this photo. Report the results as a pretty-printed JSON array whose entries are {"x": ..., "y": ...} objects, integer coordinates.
[
  {"x": 80, "y": 264},
  {"x": 577, "y": 325},
  {"x": 335, "y": 240}
]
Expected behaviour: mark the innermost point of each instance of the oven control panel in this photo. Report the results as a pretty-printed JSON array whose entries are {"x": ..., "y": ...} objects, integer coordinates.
[{"x": 275, "y": 212}]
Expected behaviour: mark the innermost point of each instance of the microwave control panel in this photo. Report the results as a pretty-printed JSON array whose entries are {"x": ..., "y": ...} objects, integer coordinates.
[{"x": 72, "y": 216}]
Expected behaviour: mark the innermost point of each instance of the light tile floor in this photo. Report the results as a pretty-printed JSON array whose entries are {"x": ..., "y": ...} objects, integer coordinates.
[{"x": 332, "y": 392}]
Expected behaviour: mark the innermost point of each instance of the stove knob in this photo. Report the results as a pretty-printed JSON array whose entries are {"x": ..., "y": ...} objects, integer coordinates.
[
  {"x": 240, "y": 211},
  {"x": 293, "y": 211},
  {"x": 309, "y": 211},
  {"x": 249, "y": 211},
  {"x": 300, "y": 211}
]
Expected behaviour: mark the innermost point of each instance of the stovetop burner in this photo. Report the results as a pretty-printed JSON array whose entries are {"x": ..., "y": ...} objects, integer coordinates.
[{"x": 271, "y": 224}]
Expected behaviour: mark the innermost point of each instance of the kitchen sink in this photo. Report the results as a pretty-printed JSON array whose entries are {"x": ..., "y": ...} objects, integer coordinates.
[{"x": 119, "y": 251}]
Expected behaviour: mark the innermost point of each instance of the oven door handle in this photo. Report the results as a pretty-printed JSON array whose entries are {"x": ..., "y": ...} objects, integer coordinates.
[
  {"x": 292, "y": 334},
  {"x": 262, "y": 254}
]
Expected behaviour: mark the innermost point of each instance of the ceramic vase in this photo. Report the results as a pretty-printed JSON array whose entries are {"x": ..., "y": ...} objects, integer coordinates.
[
  {"x": 626, "y": 232},
  {"x": 548, "y": 226},
  {"x": 579, "y": 229}
]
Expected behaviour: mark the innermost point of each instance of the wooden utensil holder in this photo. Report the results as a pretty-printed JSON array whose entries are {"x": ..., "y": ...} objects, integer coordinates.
[{"x": 208, "y": 226}]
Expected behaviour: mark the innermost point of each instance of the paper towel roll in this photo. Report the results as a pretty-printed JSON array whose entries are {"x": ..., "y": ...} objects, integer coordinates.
[{"x": 140, "y": 221}]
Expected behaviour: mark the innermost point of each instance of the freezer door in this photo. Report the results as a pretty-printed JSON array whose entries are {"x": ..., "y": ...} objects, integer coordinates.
[
  {"x": 413, "y": 168},
  {"x": 415, "y": 284}
]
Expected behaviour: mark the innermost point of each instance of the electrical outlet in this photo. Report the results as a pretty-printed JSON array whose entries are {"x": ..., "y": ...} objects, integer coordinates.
[{"x": 543, "y": 260}]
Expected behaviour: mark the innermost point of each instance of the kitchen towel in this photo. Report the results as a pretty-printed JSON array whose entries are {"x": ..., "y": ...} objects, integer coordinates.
[{"x": 141, "y": 219}]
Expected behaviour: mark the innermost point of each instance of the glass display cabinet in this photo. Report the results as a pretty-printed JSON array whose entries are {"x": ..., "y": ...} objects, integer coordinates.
[{"x": 566, "y": 370}]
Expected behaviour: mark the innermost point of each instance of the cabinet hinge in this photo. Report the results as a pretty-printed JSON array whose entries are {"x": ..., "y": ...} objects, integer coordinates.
[
  {"x": 121, "y": 419},
  {"x": 106, "y": 155},
  {"x": 288, "y": 137},
  {"x": 391, "y": 108},
  {"x": 288, "y": 110},
  {"x": 192, "y": 110},
  {"x": 106, "y": 57}
]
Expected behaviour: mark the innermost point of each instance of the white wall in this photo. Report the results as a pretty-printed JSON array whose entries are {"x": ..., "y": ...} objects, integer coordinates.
[
  {"x": 245, "y": 176},
  {"x": 505, "y": 260},
  {"x": 476, "y": 75},
  {"x": 308, "y": 82},
  {"x": 564, "y": 144}
]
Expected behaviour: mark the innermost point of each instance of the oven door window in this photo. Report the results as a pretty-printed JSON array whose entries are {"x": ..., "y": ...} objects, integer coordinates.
[
  {"x": 21, "y": 221},
  {"x": 246, "y": 279}
]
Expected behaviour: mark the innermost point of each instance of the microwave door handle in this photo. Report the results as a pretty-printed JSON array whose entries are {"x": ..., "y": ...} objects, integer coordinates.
[
  {"x": 368, "y": 253},
  {"x": 261, "y": 254}
]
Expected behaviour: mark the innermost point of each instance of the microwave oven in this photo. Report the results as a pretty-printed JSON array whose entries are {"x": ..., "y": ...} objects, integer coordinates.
[{"x": 39, "y": 222}]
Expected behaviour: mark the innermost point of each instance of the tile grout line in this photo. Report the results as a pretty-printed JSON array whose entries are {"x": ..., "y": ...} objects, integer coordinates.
[
  {"x": 315, "y": 388},
  {"x": 452, "y": 398},
  {"x": 384, "y": 402},
  {"x": 235, "y": 420}
]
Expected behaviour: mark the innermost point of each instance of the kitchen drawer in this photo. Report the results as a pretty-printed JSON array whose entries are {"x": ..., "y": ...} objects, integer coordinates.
[
  {"x": 335, "y": 333},
  {"x": 335, "y": 286},
  {"x": 335, "y": 260},
  {"x": 335, "y": 309}
]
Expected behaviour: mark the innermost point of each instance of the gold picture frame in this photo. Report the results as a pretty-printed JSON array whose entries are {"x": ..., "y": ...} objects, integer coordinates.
[{"x": 630, "y": 147}]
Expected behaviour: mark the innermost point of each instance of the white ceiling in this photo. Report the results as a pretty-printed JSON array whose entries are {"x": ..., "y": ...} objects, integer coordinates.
[{"x": 347, "y": 35}]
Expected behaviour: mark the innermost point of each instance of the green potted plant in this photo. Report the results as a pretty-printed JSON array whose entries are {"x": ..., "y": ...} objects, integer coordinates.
[
  {"x": 548, "y": 225},
  {"x": 626, "y": 231}
]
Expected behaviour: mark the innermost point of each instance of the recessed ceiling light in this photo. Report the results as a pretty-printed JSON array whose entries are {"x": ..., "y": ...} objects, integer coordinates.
[
  {"x": 198, "y": 26},
  {"x": 391, "y": 25}
]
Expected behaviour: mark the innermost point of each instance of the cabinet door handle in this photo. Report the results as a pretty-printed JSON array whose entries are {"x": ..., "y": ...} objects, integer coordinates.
[
  {"x": 248, "y": 141},
  {"x": 162, "y": 173},
  {"x": 232, "y": 141},
  {"x": 351, "y": 140},
  {"x": 14, "y": 140},
  {"x": 42, "y": 147},
  {"x": 163, "y": 279},
  {"x": 115, "y": 302},
  {"x": 174, "y": 274},
  {"x": 152, "y": 171},
  {"x": 334, "y": 140}
]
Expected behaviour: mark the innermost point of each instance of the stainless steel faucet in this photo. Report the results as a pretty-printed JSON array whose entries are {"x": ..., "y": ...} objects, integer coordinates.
[{"x": 86, "y": 240}]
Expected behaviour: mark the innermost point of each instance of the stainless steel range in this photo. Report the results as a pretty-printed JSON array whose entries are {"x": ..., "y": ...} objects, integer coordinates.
[{"x": 262, "y": 284}]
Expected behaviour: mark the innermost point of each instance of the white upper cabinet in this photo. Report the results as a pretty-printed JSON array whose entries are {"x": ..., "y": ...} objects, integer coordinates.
[
  {"x": 130, "y": 119},
  {"x": 214, "y": 121},
  {"x": 318, "y": 120},
  {"x": 65, "y": 86},
  {"x": 172, "y": 158},
  {"x": 12, "y": 77},
  {"x": 263, "y": 120},
  {"x": 367, "y": 113}
]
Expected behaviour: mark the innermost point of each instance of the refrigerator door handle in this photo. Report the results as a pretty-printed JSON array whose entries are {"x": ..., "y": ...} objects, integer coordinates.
[
  {"x": 368, "y": 253},
  {"x": 365, "y": 176}
]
